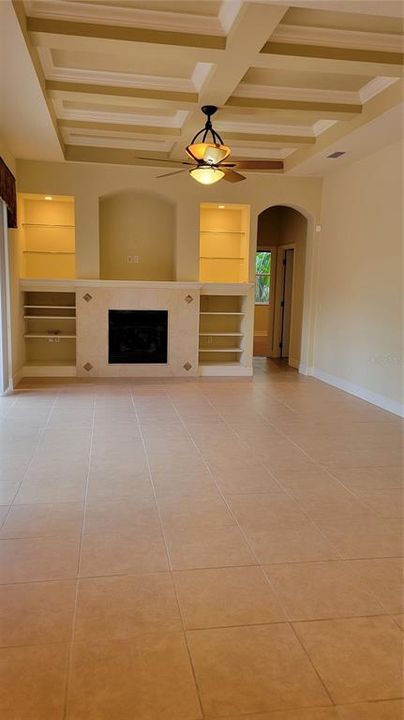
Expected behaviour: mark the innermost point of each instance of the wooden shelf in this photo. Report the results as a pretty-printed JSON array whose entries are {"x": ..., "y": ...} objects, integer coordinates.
[
  {"x": 219, "y": 312},
  {"x": 230, "y": 363},
  {"x": 51, "y": 307},
  {"x": 67, "y": 336},
  {"x": 47, "y": 225},
  {"x": 49, "y": 317},
  {"x": 221, "y": 350},
  {"x": 224, "y": 232},
  {"x": 221, "y": 334},
  {"x": 49, "y": 252}
]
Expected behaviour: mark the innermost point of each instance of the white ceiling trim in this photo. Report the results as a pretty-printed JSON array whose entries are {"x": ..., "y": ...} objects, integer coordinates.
[
  {"x": 374, "y": 87},
  {"x": 322, "y": 125},
  {"x": 241, "y": 151},
  {"x": 63, "y": 113},
  {"x": 228, "y": 13},
  {"x": 76, "y": 137},
  {"x": 200, "y": 74},
  {"x": 248, "y": 90},
  {"x": 389, "y": 8},
  {"x": 125, "y": 17},
  {"x": 118, "y": 79},
  {"x": 266, "y": 129},
  {"x": 330, "y": 37}
]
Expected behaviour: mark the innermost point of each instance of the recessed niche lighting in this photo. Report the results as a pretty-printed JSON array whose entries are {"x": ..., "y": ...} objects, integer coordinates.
[
  {"x": 221, "y": 207},
  {"x": 336, "y": 154},
  {"x": 48, "y": 197}
]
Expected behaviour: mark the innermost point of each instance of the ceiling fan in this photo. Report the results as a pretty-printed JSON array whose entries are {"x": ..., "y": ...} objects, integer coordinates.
[{"x": 208, "y": 153}]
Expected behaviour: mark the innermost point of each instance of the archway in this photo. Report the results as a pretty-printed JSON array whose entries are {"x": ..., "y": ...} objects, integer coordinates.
[{"x": 281, "y": 274}]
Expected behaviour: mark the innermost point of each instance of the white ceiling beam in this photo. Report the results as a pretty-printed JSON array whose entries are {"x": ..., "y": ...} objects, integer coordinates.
[
  {"x": 124, "y": 33},
  {"x": 250, "y": 30}
]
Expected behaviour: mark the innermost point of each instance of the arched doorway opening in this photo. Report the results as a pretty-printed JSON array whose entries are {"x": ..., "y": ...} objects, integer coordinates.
[{"x": 280, "y": 284}]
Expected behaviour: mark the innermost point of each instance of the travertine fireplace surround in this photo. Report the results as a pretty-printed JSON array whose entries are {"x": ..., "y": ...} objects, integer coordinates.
[{"x": 182, "y": 303}]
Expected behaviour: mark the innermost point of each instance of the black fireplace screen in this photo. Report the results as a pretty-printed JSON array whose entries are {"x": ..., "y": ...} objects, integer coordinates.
[{"x": 137, "y": 336}]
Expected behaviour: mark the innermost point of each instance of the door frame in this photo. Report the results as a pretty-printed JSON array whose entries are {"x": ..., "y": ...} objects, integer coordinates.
[
  {"x": 6, "y": 375},
  {"x": 275, "y": 350}
]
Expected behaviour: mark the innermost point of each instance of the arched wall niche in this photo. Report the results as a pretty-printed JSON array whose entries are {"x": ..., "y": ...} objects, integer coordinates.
[{"x": 137, "y": 236}]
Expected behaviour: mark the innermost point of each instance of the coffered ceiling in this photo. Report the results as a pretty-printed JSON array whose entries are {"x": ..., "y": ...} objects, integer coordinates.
[{"x": 126, "y": 79}]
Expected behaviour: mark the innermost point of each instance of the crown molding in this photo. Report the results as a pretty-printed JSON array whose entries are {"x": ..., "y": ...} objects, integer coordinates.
[
  {"x": 305, "y": 35},
  {"x": 248, "y": 90},
  {"x": 122, "y": 79},
  {"x": 264, "y": 128},
  {"x": 228, "y": 13},
  {"x": 374, "y": 87},
  {"x": 259, "y": 153},
  {"x": 124, "y": 17},
  {"x": 200, "y": 74},
  {"x": 175, "y": 121},
  {"x": 140, "y": 130},
  {"x": 77, "y": 137},
  {"x": 322, "y": 125}
]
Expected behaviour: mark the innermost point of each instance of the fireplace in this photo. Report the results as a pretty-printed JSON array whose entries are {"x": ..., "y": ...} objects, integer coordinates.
[{"x": 137, "y": 336}]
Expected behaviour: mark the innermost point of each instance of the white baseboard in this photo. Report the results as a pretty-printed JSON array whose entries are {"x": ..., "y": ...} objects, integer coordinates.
[{"x": 371, "y": 397}]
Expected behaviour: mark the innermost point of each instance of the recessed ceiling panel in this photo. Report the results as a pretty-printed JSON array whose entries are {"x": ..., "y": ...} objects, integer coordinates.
[
  {"x": 309, "y": 80},
  {"x": 337, "y": 20},
  {"x": 157, "y": 64}
]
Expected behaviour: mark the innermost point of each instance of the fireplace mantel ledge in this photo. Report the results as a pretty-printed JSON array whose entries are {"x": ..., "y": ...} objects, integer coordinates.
[{"x": 43, "y": 285}]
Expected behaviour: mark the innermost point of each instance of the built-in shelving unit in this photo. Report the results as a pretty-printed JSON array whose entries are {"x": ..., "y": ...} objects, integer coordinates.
[
  {"x": 47, "y": 237},
  {"x": 224, "y": 243},
  {"x": 50, "y": 333},
  {"x": 224, "y": 347}
]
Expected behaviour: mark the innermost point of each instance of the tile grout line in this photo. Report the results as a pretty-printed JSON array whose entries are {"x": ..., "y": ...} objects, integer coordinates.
[
  {"x": 266, "y": 579},
  {"x": 197, "y": 689},
  {"x": 322, "y": 467},
  {"x": 40, "y": 438},
  {"x": 77, "y": 579},
  {"x": 390, "y": 616},
  {"x": 341, "y": 557},
  {"x": 282, "y": 489},
  {"x": 261, "y": 569}
]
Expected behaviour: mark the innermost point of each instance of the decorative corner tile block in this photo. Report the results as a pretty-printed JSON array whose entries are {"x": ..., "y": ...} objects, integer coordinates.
[
  {"x": 88, "y": 366},
  {"x": 87, "y": 297},
  {"x": 188, "y": 299},
  {"x": 187, "y": 366}
]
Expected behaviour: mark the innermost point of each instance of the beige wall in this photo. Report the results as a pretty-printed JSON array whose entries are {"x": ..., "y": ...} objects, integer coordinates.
[
  {"x": 137, "y": 224},
  {"x": 88, "y": 182},
  {"x": 17, "y": 344},
  {"x": 359, "y": 308}
]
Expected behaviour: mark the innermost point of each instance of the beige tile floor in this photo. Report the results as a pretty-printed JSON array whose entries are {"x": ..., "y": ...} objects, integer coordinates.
[{"x": 178, "y": 550}]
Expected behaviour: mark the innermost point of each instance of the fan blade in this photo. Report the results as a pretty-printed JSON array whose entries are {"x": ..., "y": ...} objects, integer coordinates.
[
  {"x": 259, "y": 164},
  {"x": 176, "y": 172},
  {"x": 232, "y": 176}
]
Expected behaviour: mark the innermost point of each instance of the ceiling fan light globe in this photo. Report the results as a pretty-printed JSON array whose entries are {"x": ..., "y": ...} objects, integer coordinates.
[
  {"x": 216, "y": 153},
  {"x": 206, "y": 175},
  {"x": 208, "y": 152}
]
